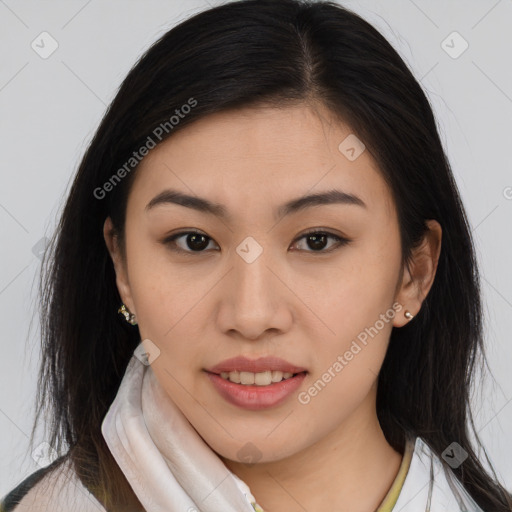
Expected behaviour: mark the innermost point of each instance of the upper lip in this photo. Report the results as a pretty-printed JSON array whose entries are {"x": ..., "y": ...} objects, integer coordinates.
[{"x": 262, "y": 364}]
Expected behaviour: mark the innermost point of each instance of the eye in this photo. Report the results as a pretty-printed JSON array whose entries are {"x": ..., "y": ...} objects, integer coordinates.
[
  {"x": 317, "y": 239},
  {"x": 195, "y": 241}
]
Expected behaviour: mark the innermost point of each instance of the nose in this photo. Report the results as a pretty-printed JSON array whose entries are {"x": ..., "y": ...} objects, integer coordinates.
[{"x": 255, "y": 300}]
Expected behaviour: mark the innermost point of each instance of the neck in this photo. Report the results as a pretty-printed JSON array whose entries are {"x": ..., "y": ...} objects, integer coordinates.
[{"x": 350, "y": 469}]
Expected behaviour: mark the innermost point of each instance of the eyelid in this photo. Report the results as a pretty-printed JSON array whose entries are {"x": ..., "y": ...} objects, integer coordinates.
[
  {"x": 170, "y": 240},
  {"x": 340, "y": 240}
]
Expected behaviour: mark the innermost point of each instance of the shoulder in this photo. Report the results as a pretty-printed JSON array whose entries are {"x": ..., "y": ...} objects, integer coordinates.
[
  {"x": 16, "y": 495},
  {"x": 55, "y": 488},
  {"x": 431, "y": 485}
]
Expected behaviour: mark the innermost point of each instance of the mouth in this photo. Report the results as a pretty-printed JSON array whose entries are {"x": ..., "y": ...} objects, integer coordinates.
[{"x": 256, "y": 384}]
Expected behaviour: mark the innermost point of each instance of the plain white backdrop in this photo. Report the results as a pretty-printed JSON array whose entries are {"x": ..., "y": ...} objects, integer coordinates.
[{"x": 61, "y": 64}]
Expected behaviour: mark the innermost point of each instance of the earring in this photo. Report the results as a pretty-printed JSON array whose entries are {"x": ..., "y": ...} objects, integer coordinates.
[
  {"x": 408, "y": 315},
  {"x": 130, "y": 317}
]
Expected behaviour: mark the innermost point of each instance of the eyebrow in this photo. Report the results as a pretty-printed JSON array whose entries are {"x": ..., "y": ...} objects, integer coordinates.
[{"x": 203, "y": 205}]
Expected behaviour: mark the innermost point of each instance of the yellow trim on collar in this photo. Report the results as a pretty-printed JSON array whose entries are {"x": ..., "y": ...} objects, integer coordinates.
[{"x": 391, "y": 497}]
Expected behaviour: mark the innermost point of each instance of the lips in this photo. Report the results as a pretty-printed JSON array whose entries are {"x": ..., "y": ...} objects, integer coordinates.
[
  {"x": 262, "y": 364},
  {"x": 256, "y": 384},
  {"x": 254, "y": 398}
]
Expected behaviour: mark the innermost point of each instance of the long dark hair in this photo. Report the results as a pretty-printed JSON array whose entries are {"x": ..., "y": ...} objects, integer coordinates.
[{"x": 239, "y": 54}]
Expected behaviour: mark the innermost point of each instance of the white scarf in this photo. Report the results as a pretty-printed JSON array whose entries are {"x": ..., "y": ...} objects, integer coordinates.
[{"x": 168, "y": 465}]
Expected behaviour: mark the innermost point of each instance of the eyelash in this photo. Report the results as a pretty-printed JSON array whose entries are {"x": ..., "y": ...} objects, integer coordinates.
[{"x": 340, "y": 241}]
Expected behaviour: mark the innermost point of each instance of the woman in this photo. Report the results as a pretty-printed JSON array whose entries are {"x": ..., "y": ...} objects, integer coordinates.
[{"x": 268, "y": 207}]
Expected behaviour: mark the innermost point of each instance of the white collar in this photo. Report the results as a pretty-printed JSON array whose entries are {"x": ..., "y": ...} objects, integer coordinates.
[
  {"x": 170, "y": 469},
  {"x": 446, "y": 492}
]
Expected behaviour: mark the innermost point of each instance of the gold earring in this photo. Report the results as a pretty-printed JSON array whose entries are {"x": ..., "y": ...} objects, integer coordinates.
[
  {"x": 130, "y": 317},
  {"x": 408, "y": 315}
]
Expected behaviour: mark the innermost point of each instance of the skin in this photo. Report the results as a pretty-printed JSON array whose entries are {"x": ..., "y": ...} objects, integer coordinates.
[{"x": 292, "y": 302}]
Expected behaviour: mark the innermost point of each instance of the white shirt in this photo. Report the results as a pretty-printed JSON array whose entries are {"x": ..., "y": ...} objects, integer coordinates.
[
  {"x": 447, "y": 493},
  {"x": 62, "y": 491}
]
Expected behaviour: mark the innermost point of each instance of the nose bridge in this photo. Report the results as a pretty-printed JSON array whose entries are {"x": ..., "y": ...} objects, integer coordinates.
[
  {"x": 252, "y": 303},
  {"x": 253, "y": 279}
]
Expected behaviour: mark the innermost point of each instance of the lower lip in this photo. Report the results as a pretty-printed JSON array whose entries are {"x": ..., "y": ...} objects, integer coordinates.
[{"x": 254, "y": 397}]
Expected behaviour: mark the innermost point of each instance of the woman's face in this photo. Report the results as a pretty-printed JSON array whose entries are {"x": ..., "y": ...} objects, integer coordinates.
[{"x": 252, "y": 285}]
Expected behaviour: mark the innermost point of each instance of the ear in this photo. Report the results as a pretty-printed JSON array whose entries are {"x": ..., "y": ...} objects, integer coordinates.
[
  {"x": 123, "y": 285},
  {"x": 419, "y": 275}
]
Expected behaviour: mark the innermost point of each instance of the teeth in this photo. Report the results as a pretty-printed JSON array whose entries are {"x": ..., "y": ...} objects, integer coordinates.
[
  {"x": 234, "y": 377},
  {"x": 277, "y": 376},
  {"x": 263, "y": 378},
  {"x": 246, "y": 378},
  {"x": 260, "y": 379}
]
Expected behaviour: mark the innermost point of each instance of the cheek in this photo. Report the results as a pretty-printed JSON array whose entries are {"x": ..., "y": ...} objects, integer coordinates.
[
  {"x": 163, "y": 292},
  {"x": 352, "y": 294},
  {"x": 166, "y": 304},
  {"x": 356, "y": 308}
]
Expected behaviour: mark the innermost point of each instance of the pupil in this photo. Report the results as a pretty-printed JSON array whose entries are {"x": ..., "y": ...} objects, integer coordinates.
[
  {"x": 315, "y": 239},
  {"x": 193, "y": 239}
]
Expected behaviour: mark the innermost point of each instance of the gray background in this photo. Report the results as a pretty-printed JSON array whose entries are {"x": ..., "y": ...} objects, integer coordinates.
[{"x": 49, "y": 109}]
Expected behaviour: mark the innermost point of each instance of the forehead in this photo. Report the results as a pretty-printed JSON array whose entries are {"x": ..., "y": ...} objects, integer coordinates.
[{"x": 263, "y": 155}]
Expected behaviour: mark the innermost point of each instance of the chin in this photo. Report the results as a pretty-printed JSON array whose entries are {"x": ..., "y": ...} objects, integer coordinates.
[{"x": 255, "y": 450}]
